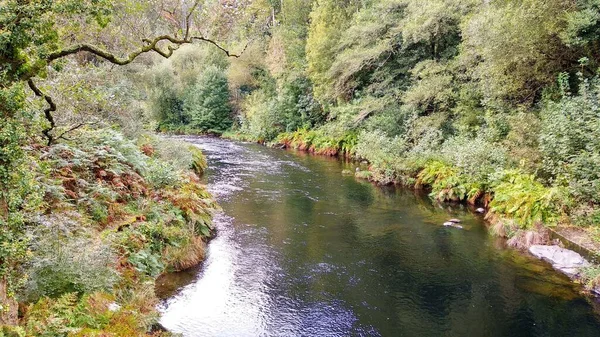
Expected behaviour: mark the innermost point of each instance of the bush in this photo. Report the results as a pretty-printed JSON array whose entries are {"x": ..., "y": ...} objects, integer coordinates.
[
  {"x": 147, "y": 262},
  {"x": 447, "y": 182},
  {"x": 386, "y": 154},
  {"x": 571, "y": 128},
  {"x": 475, "y": 157},
  {"x": 199, "y": 163},
  {"x": 63, "y": 265},
  {"x": 160, "y": 174},
  {"x": 260, "y": 119}
]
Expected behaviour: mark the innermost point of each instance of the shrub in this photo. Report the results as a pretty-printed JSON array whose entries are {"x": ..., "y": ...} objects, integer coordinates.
[
  {"x": 147, "y": 262},
  {"x": 89, "y": 315},
  {"x": 447, "y": 182},
  {"x": 571, "y": 129},
  {"x": 63, "y": 264},
  {"x": 260, "y": 119},
  {"x": 199, "y": 163},
  {"x": 475, "y": 157},
  {"x": 385, "y": 154},
  {"x": 196, "y": 205},
  {"x": 161, "y": 174}
]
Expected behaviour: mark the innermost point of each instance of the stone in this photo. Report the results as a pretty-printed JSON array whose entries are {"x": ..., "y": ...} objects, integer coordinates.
[
  {"x": 454, "y": 220},
  {"x": 561, "y": 259},
  {"x": 452, "y": 224},
  {"x": 480, "y": 210}
]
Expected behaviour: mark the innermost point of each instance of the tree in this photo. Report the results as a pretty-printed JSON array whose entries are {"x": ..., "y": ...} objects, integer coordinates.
[
  {"x": 328, "y": 20},
  {"x": 514, "y": 47},
  {"x": 207, "y": 103}
]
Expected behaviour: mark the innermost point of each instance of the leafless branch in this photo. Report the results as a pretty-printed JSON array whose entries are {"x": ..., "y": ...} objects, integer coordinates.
[
  {"x": 73, "y": 128},
  {"x": 47, "y": 111}
]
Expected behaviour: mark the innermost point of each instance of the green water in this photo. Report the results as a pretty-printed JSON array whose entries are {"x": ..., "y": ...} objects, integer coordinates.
[{"x": 304, "y": 251}]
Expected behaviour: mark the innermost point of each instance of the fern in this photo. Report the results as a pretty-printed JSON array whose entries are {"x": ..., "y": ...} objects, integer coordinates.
[{"x": 522, "y": 197}]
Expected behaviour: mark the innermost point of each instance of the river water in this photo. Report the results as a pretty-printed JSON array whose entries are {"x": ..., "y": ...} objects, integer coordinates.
[{"x": 302, "y": 250}]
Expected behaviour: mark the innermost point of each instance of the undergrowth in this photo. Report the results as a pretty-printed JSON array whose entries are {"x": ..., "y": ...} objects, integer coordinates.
[{"x": 114, "y": 216}]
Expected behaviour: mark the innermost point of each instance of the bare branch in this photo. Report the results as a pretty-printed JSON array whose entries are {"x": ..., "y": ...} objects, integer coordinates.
[
  {"x": 151, "y": 45},
  {"x": 47, "y": 112},
  {"x": 73, "y": 128},
  {"x": 187, "y": 19},
  {"x": 201, "y": 38}
]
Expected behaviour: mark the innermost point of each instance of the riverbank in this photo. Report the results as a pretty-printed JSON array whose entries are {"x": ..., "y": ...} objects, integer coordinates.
[
  {"x": 511, "y": 213},
  {"x": 113, "y": 216}
]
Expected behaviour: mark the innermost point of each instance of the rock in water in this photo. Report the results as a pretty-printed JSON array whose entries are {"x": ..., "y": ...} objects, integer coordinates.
[
  {"x": 480, "y": 210},
  {"x": 454, "y": 220},
  {"x": 452, "y": 224},
  {"x": 564, "y": 260}
]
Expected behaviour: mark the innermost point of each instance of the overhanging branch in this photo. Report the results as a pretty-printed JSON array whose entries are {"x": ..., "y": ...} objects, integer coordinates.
[
  {"x": 151, "y": 45},
  {"x": 47, "y": 112}
]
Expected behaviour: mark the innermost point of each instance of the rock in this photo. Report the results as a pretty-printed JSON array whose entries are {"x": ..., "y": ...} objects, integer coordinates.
[
  {"x": 480, "y": 210},
  {"x": 454, "y": 220},
  {"x": 452, "y": 224},
  {"x": 564, "y": 260}
]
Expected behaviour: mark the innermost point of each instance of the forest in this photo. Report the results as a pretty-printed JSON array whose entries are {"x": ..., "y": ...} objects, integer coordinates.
[{"x": 492, "y": 103}]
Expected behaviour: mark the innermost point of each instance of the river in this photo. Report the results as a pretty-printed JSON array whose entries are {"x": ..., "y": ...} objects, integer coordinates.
[{"x": 303, "y": 250}]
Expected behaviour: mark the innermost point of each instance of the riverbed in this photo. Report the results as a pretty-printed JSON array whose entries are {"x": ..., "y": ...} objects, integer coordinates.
[{"x": 303, "y": 250}]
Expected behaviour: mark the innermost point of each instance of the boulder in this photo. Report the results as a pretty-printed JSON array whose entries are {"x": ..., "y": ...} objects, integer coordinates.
[
  {"x": 480, "y": 210},
  {"x": 564, "y": 260}
]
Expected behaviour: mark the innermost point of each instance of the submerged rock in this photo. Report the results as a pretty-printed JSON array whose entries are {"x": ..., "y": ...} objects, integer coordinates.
[
  {"x": 564, "y": 260},
  {"x": 452, "y": 224}
]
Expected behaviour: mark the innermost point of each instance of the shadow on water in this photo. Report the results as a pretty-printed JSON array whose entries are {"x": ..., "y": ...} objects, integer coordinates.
[{"x": 304, "y": 251}]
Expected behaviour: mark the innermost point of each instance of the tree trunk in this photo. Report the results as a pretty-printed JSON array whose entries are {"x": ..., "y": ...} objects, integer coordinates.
[{"x": 8, "y": 306}]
